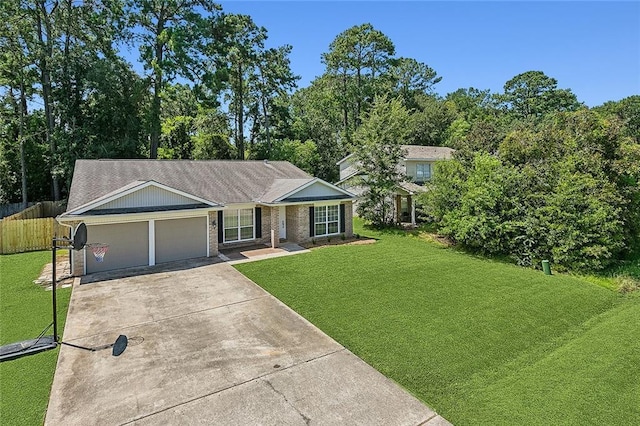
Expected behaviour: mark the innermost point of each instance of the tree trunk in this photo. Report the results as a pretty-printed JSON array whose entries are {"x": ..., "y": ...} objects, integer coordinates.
[
  {"x": 240, "y": 112},
  {"x": 156, "y": 102},
  {"x": 155, "y": 117},
  {"x": 157, "y": 88},
  {"x": 66, "y": 110},
  {"x": 45, "y": 80},
  {"x": 266, "y": 127},
  {"x": 358, "y": 96},
  {"x": 23, "y": 163},
  {"x": 345, "y": 107}
]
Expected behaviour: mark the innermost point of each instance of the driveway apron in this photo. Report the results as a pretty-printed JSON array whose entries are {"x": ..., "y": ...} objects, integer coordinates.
[{"x": 208, "y": 346}]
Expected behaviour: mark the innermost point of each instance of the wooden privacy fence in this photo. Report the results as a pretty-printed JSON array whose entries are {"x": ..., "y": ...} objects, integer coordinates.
[
  {"x": 31, "y": 230},
  {"x": 9, "y": 209},
  {"x": 43, "y": 209}
]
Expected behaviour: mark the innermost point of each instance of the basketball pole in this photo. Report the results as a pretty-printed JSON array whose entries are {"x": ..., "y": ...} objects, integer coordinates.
[
  {"x": 54, "y": 278},
  {"x": 78, "y": 242},
  {"x": 54, "y": 282}
]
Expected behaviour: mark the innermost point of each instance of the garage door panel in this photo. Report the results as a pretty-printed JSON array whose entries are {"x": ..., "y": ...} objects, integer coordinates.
[
  {"x": 128, "y": 245},
  {"x": 179, "y": 239}
]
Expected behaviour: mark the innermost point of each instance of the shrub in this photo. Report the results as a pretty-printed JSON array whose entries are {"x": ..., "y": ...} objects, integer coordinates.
[
  {"x": 558, "y": 212},
  {"x": 627, "y": 284}
]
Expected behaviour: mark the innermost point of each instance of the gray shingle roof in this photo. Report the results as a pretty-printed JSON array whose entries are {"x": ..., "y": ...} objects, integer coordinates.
[
  {"x": 427, "y": 152},
  {"x": 281, "y": 187},
  {"x": 220, "y": 181},
  {"x": 417, "y": 152},
  {"x": 412, "y": 187}
]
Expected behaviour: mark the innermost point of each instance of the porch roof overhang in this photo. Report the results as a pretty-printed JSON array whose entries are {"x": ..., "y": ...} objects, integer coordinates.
[{"x": 410, "y": 188}]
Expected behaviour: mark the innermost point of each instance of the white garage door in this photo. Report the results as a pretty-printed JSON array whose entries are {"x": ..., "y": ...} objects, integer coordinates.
[
  {"x": 128, "y": 245},
  {"x": 178, "y": 239}
]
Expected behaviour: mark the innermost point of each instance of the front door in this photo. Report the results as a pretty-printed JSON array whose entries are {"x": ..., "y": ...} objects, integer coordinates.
[{"x": 283, "y": 222}]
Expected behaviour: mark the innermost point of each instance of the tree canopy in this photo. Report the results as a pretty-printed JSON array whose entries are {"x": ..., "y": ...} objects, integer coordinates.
[{"x": 536, "y": 173}]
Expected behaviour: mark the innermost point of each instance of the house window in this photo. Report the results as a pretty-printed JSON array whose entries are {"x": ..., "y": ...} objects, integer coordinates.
[
  {"x": 326, "y": 220},
  {"x": 238, "y": 225},
  {"x": 423, "y": 172}
]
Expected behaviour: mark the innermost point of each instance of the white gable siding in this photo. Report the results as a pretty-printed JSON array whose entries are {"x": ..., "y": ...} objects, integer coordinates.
[
  {"x": 316, "y": 190},
  {"x": 347, "y": 168},
  {"x": 411, "y": 168},
  {"x": 150, "y": 196}
]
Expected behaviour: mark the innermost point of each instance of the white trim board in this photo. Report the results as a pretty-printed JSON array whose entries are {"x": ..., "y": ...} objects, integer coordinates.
[
  {"x": 131, "y": 188},
  {"x": 310, "y": 183}
]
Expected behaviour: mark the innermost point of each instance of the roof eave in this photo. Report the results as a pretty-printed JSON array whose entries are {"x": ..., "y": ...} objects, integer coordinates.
[
  {"x": 97, "y": 202},
  {"x": 308, "y": 184}
]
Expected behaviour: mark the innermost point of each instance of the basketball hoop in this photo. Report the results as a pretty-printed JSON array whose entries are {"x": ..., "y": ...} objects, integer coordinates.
[{"x": 98, "y": 250}]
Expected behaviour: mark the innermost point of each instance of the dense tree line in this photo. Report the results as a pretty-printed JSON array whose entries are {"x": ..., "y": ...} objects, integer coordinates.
[
  {"x": 209, "y": 88},
  {"x": 536, "y": 173}
]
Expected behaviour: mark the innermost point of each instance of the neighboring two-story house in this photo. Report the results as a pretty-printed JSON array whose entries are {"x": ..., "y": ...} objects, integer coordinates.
[{"x": 417, "y": 165}]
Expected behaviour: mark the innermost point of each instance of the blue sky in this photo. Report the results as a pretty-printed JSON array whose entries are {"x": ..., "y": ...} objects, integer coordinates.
[{"x": 593, "y": 48}]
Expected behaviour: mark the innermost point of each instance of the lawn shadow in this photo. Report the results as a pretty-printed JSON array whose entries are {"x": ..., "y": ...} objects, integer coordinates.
[{"x": 397, "y": 230}]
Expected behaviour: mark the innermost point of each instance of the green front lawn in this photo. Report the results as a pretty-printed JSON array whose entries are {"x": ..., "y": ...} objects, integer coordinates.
[
  {"x": 480, "y": 341},
  {"x": 25, "y": 310}
]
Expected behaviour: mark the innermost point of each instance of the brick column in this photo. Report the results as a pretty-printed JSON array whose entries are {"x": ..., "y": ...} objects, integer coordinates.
[
  {"x": 348, "y": 219},
  {"x": 303, "y": 223},
  {"x": 274, "y": 227}
]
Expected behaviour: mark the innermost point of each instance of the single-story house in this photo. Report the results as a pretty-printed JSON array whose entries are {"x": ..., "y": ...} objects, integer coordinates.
[
  {"x": 416, "y": 164},
  {"x": 156, "y": 211}
]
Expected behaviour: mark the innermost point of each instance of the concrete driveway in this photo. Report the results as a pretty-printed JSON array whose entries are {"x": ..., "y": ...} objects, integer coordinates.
[{"x": 208, "y": 346}]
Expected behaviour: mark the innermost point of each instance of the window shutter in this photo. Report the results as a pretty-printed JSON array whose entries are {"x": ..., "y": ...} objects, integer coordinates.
[
  {"x": 258, "y": 222},
  {"x": 220, "y": 227},
  {"x": 312, "y": 228},
  {"x": 342, "y": 224}
]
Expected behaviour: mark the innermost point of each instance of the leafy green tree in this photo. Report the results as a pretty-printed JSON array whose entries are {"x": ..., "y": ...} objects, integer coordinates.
[
  {"x": 112, "y": 114},
  {"x": 583, "y": 220},
  {"x": 355, "y": 60},
  {"x": 412, "y": 79},
  {"x": 482, "y": 136},
  {"x": 212, "y": 135},
  {"x": 628, "y": 111},
  {"x": 176, "y": 139},
  {"x": 533, "y": 94},
  {"x": 273, "y": 81},
  {"x": 429, "y": 123},
  {"x": 475, "y": 206},
  {"x": 317, "y": 117},
  {"x": 61, "y": 43},
  {"x": 377, "y": 155},
  {"x": 471, "y": 104},
  {"x": 43, "y": 14},
  {"x": 302, "y": 154},
  {"x": 33, "y": 157},
  {"x": 243, "y": 41},
  {"x": 564, "y": 189},
  {"x": 17, "y": 76},
  {"x": 172, "y": 36}
]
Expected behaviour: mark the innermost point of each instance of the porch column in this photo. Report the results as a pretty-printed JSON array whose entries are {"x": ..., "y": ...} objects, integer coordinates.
[
  {"x": 274, "y": 223},
  {"x": 413, "y": 210},
  {"x": 398, "y": 208},
  {"x": 152, "y": 242}
]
